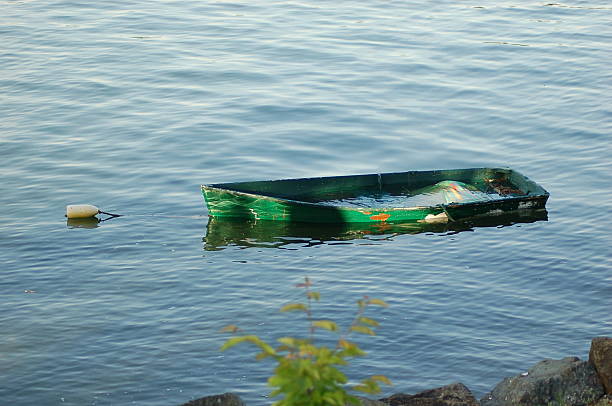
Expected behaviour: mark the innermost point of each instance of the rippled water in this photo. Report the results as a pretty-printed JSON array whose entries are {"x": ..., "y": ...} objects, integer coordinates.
[{"x": 131, "y": 106}]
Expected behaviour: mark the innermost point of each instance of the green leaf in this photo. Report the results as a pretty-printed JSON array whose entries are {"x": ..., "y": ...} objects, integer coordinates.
[
  {"x": 294, "y": 306},
  {"x": 307, "y": 350},
  {"x": 361, "y": 388},
  {"x": 351, "y": 349},
  {"x": 262, "y": 355},
  {"x": 368, "y": 385},
  {"x": 230, "y": 329},
  {"x": 378, "y": 302},
  {"x": 366, "y": 320},
  {"x": 346, "y": 344},
  {"x": 265, "y": 347},
  {"x": 353, "y": 400},
  {"x": 250, "y": 338},
  {"x": 381, "y": 378},
  {"x": 326, "y": 324},
  {"x": 288, "y": 341},
  {"x": 313, "y": 295},
  {"x": 363, "y": 329},
  {"x": 233, "y": 341}
]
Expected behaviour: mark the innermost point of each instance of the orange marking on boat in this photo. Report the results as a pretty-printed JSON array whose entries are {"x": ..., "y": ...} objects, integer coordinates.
[
  {"x": 367, "y": 212},
  {"x": 381, "y": 216}
]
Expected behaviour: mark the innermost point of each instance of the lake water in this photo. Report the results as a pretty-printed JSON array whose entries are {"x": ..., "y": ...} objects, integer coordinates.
[{"x": 132, "y": 105}]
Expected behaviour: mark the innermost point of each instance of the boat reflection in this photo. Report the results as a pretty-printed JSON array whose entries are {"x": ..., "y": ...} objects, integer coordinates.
[{"x": 224, "y": 233}]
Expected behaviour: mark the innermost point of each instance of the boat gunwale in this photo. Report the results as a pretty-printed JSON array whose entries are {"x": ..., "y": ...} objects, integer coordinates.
[
  {"x": 325, "y": 206},
  {"x": 497, "y": 168}
]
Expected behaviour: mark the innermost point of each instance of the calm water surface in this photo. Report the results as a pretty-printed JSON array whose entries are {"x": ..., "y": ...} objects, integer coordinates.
[{"x": 131, "y": 106}]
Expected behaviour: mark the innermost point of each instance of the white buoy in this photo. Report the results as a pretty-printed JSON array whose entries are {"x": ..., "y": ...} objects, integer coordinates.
[
  {"x": 80, "y": 211},
  {"x": 83, "y": 211}
]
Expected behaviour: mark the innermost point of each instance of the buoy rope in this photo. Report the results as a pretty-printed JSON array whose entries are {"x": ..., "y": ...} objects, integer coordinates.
[{"x": 109, "y": 214}]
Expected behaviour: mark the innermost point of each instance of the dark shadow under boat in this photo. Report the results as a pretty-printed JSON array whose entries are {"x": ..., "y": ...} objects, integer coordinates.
[{"x": 224, "y": 233}]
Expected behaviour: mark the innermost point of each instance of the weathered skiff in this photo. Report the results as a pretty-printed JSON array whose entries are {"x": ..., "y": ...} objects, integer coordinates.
[{"x": 453, "y": 195}]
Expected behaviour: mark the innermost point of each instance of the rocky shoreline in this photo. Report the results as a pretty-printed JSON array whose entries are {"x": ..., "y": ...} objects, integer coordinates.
[{"x": 565, "y": 382}]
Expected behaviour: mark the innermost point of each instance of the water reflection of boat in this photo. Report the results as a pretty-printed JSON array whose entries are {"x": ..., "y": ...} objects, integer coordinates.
[{"x": 223, "y": 233}]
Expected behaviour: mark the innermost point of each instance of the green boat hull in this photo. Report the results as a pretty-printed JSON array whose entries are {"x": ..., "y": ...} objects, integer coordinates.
[{"x": 303, "y": 200}]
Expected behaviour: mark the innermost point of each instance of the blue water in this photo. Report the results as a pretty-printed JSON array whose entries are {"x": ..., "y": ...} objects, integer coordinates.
[{"x": 131, "y": 106}]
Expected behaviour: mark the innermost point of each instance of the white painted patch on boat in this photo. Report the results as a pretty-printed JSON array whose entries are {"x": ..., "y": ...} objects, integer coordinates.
[
  {"x": 436, "y": 218},
  {"x": 526, "y": 205}
]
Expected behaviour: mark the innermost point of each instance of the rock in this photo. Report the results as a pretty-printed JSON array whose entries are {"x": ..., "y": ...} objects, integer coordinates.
[
  {"x": 226, "y": 399},
  {"x": 605, "y": 401},
  {"x": 600, "y": 356},
  {"x": 566, "y": 382},
  {"x": 456, "y": 394},
  {"x": 369, "y": 402}
]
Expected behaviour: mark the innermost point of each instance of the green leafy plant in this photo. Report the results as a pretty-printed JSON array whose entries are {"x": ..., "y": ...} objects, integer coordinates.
[{"x": 307, "y": 374}]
